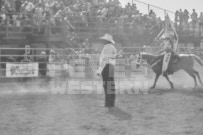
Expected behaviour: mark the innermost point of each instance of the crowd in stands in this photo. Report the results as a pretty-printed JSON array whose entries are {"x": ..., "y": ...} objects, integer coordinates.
[
  {"x": 184, "y": 18},
  {"x": 77, "y": 15},
  {"x": 86, "y": 15}
]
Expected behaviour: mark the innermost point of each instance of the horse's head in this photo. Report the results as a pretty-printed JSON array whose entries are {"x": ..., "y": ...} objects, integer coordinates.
[{"x": 138, "y": 60}]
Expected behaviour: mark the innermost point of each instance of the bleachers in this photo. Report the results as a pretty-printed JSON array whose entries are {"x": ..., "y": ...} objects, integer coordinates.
[{"x": 133, "y": 29}]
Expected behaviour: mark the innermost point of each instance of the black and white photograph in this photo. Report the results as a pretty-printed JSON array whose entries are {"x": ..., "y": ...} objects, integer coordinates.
[{"x": 101, "y": 67}]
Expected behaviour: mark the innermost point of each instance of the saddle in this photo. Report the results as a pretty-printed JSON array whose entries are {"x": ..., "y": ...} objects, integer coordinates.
[
  {"x": 173, "y": 61},
  {"x": 174, "y": 58}
]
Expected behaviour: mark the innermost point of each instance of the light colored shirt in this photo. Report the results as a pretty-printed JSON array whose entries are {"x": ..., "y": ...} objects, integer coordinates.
[{"x": 107, "y": 56}]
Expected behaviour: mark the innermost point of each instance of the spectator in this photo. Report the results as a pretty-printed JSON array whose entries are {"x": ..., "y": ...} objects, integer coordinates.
[
  {"x": 17, "y": 22},
  {"x": 194, "y": 19},
  {"x": 186, "y": 17},
  {"x": 81, "y": 16},
  {"x": 42, "y": 64},
  {"x": 38, "y": 16},
  {"x": 2, "y": 18},
  {"x": 181, "y": 17},
  {"x": 176, "y": 17},
  {"x": 1, "y": 3},
  {"x": 151, "y": 13},
  {"x": 201, "y": 23},
  {"x": 52, "y": 56},
  {"x": 144, "y": 48},
  {"x": 18, "y": 4}
]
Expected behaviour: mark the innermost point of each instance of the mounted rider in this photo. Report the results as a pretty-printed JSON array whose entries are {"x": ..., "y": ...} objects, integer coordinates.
[
  {"x": 169, "y": 43},
  {"x": 169, "y": 51}
]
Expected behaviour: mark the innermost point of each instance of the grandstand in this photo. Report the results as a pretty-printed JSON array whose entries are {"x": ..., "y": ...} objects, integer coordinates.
[{"x": 61, "y": 24}]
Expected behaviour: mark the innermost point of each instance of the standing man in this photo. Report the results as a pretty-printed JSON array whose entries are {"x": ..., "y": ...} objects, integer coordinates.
[
  {"x": 194, "y": 19},
  {"x": 201, "y": 23},
  {"x": 43, "y": 64},
  {"x": 52, "y": 56},
  {"x": 106, "y": 69},
  {"x": 181, "y": 18}
]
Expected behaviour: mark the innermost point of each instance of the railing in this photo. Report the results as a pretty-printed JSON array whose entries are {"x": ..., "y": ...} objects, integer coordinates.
[
  {"x": 161, "y": 12},
  {"x": 140, "y": 33},
  {"x": 83, "y": 30},
  {"x": 35, "y": 69},
  {"x": 32, "y": 71},
  {"x": 188, "y": 29}
]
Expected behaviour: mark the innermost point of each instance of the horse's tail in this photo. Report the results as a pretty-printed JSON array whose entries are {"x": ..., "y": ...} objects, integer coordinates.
[{"x": 197, "y": 59}]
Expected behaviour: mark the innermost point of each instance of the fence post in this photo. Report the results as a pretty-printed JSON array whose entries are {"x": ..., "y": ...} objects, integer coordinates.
[{"x": 6, "y": 32}]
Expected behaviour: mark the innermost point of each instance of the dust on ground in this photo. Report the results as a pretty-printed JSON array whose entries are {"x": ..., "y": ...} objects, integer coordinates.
[{"x": 161, "y": 112}]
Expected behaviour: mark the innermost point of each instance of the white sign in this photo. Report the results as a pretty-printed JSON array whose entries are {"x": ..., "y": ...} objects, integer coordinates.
[{"x": 22, "y": 69}]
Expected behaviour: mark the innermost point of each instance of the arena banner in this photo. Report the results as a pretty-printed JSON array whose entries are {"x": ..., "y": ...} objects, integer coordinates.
[
  {"x": 59, "y": 69},
  {"x": 22, "y": 69}
]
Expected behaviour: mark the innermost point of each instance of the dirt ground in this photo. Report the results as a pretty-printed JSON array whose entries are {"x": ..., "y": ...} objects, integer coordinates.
[{"x": 161, "y": 112}]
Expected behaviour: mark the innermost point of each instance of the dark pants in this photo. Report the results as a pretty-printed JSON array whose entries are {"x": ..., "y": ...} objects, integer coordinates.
[
  {"x": 109, "y": 85},
  {"x": 43, "y": 69}
]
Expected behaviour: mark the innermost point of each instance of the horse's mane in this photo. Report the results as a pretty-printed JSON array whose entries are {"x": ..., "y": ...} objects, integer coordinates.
[
  {"x": 149, "y": 54},
  {"x": 185, "y": 54}
]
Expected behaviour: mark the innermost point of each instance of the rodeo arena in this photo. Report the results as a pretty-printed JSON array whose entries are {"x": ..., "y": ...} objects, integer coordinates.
[{"x": 96, "y": 67}]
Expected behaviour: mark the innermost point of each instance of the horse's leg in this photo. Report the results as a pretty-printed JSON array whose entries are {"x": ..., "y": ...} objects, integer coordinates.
[
  {"x": 167, "y": 78},
  {"x": 193, "y": 76},
  {"x": 197, "y": 73},
  {"x": 155, "y": 81}
]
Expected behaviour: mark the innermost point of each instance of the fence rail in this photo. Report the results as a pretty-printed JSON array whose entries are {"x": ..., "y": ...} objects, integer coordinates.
[
  {"x": 35, "y": 70},
  {"x": 71, "y": 57}
]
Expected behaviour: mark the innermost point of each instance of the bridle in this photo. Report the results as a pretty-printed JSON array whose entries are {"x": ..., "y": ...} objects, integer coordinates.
[{"x": 139, "y": 60}]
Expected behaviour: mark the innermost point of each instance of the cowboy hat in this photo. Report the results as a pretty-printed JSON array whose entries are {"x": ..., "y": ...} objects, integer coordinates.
[{"x": 108, "y": 37}]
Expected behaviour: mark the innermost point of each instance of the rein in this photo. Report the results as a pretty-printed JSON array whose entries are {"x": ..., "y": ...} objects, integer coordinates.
[
  {"x": 156, "y": 62},
  {"x": 152, "y": 64}
]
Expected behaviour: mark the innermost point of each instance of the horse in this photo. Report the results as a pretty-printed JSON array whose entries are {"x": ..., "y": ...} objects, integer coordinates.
[{"x": 185, "y": 62}]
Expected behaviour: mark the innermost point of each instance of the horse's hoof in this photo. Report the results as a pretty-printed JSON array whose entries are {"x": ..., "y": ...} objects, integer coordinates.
[{"x": 152, "y": 87}]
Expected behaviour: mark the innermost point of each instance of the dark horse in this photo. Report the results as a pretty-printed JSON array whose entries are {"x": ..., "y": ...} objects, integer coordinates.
[{"x": 185, "y": 62}]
